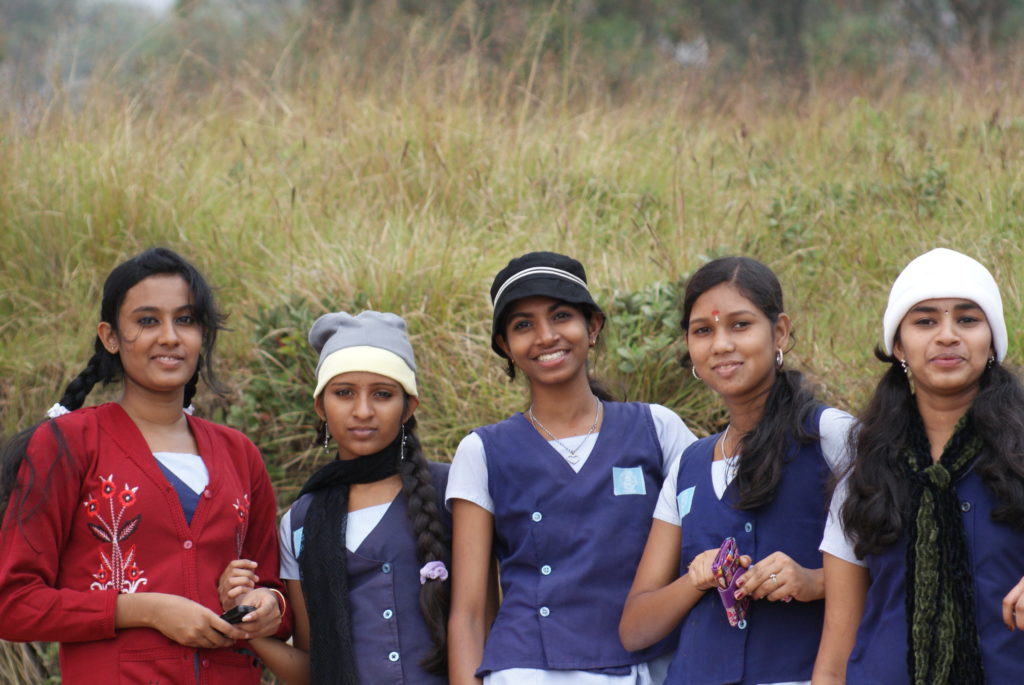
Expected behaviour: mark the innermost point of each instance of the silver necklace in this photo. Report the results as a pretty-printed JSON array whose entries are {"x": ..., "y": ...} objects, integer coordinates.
[{"x": 572, "y": 458}]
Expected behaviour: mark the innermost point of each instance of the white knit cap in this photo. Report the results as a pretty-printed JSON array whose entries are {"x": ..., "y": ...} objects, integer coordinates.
[{"x": 945, "y": 273}]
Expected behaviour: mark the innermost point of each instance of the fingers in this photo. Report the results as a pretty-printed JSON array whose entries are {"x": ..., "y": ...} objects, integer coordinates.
[
  {"x": 1013, "y": 607},
  {"x": 699, "y": 570},
  {"x": 776, "y": 577}
]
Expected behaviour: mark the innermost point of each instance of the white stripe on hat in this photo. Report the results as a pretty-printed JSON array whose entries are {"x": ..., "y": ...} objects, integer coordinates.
[{"x": 538, "y": 270}]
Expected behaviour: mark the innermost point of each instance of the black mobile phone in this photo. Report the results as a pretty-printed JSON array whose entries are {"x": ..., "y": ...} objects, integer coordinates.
[{"x": 235, "y": 614}]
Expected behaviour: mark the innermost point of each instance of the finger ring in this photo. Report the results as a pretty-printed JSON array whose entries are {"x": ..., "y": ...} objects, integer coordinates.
[{"x": 774, "y": 578}]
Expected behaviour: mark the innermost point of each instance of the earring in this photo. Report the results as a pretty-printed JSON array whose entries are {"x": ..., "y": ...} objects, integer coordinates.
[
  {"x": 991, "y": 362},
  {"x": 778, "y": 359},
  {"x": 903, "y": 363},
  {"x": 327, "y": 439},
  {"x": 401, "y": 453},
  {"x": 693, "y": 370}
]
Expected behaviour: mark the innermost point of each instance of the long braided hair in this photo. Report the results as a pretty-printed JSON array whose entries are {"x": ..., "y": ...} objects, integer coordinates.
[
  {"x": 105, "y": 368},
  {"x": 432, "y": 544}
]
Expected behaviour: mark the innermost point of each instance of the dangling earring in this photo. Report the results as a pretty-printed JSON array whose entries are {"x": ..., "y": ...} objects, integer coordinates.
[
  {"x": 401, "y": 453},
  {"x": 693, "y": 370},
  {"x": 991, "y": 362},
  {"x": 903, "y": 363},
  {"x": 778, "y": 359},
  {"x": 327, "y": 439}
]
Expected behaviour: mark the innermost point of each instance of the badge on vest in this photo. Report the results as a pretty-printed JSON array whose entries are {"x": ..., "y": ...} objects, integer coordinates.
[
  {"x": 685, "y": 500},
  {"x": 629, "y": 481},
  {"x": 297, "y": 542}
]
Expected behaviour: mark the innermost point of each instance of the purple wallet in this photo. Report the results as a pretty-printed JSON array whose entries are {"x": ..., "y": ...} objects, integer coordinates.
[{"x": 727, "y": 570}]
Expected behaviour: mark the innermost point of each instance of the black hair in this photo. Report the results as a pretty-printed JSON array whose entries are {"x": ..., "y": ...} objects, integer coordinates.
[
  {"x": 878, "y": 499},
  {"x": 432, "y": 544},
  {"x": 764, "y": 450},
  {"x": 588, "y": 311},
  {"x": 104, "y": 367}
]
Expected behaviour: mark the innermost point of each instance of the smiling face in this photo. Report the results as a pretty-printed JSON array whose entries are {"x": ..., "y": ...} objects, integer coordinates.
[
  {"x": 157, "y": 337},
  {"x": 733, "y": 344},
  {"x": 364, "y": 411},
  {"x": 946, "y": 344},
  {"x": 549, "y": 339}
]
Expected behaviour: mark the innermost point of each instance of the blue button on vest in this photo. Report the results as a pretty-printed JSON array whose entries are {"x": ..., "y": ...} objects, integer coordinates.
[
  {"x": 780, "y": 641},
  {"x": 549, "y": 518}
]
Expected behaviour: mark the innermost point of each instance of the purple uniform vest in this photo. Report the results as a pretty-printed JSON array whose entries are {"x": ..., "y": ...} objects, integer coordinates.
[
  {"x": 569, "y": 543},
  {"x": 778, "y": 641},
  {"x": 389, "y": 635},
  {"x": 879, "y": 656}
]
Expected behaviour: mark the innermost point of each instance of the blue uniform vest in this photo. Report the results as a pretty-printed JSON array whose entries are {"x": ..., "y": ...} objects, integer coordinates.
[
  {"x": 389, "y": 635},
  {"x": 779, "y": 641},
  {"x": 879, "y": 656},
  {"x": 569, "y": 543}
]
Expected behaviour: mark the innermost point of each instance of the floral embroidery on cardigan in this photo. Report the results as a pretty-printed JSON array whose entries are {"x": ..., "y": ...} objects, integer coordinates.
[
  {"x": 119, "y": 570},
  {"x": 242, "y": 512}
]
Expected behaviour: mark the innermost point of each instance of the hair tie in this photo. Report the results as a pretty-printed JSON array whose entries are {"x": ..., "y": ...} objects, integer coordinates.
[
  {"x": 190, "y": 409},
  {"x": 57, "y": 410},
  {"x": 433, "y": 570}
]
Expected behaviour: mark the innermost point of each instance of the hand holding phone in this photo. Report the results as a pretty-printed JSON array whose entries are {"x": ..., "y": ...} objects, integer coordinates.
[
  {"x": 727, "y": 570},
  {"x": 235, "y": 615}
]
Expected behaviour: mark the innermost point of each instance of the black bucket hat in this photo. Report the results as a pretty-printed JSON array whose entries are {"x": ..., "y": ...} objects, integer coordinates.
[{"x": 537, "y": 273}]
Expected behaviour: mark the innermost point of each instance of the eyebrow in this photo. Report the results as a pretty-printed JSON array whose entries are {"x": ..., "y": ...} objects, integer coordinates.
[
  {"x": 376, "y": 384},
  {"x": 552, "y": 307},
  {"x": 152, "y": 308},
  {"x": 741, "y": 312},
  {"x": 928, "y": 309}
]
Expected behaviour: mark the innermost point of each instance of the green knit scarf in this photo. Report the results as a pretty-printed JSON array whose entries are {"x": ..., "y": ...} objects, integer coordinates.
[{"x": 942, "y": 638}]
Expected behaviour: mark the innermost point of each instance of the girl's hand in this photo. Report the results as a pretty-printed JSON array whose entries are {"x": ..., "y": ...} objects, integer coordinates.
[
  {"x": 699, "y": 570},
  {"x": 265, "y": 620},
  {"x": 1013, "y": 607},
  {"x": 193, "y": 625},
  {"x": 778, "y": 578},
  {"x": 237, "y": 579}
]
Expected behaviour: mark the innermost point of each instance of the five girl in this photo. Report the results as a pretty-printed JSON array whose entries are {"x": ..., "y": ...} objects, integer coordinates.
[
  {"x": 924, "y": 550},
  {"x": 563, "y": 494},
  {"x": 120, "y": 518},
  {"x": 763, "y": 481}
]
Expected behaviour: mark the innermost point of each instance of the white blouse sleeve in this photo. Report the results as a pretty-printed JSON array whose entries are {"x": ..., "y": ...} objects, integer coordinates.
[
  {"x": 667, "y": 508},
  {"x": 673, "y": 436},
  {"x": 835, "y": 541},
  {"x": 467, "y": 478},
  {"x": 289, "y": 562}
]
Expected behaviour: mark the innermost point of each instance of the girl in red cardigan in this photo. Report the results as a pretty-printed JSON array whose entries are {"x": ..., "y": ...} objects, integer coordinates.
[{"x": 119, "y": 518}]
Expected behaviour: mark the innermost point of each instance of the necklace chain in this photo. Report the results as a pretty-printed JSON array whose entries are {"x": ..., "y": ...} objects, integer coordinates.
[
  {"x": 573, "y": 459},
  {"x": 721, "y": 443}
]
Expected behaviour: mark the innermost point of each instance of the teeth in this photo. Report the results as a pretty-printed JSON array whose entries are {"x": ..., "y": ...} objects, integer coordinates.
[{"x": 551, "y": 356}]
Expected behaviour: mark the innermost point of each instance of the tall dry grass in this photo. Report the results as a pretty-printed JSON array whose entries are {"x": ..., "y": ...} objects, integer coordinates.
[{"x": 400, "y": 169}]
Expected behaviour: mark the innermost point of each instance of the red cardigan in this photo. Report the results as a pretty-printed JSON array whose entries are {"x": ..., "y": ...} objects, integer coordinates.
[{"x": 109, "y": 522}]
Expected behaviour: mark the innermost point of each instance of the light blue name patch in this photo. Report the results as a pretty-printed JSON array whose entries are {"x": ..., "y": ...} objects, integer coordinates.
[
  {"x": 297, "y": 541},
  {"x": 685, "y": 500},
  {"x": 629, "y": 481}
]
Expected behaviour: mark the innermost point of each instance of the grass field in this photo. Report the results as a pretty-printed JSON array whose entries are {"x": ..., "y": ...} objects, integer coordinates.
[{"x": 405, "y": 180}]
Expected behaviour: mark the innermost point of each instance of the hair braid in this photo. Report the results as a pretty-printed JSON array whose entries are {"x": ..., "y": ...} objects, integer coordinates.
[
  {"x": 103, "y": 367},
  {"x": 431, "y": 545}
]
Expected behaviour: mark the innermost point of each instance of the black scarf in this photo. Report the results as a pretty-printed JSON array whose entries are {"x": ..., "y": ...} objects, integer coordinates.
[
  {"x": 942, "y": 638},
  {"x": 323, "y": 561}
]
